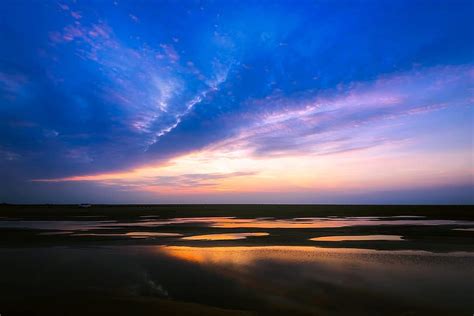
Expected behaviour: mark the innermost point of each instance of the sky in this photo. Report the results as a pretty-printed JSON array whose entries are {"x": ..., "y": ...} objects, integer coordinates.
[{"x": 237, "y": 101}]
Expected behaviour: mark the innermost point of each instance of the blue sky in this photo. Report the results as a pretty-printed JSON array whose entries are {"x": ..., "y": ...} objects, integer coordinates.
[{"x": 236, "y": 101}]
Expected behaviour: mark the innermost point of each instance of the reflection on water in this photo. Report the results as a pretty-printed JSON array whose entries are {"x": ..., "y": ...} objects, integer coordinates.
[
  {"x": 62, "y": 232},
  {"x": 152, "y": 234},
  {"x": 357, "y": 238},
  {"x": 465, "y": 229},
  {"x": 303, "y": 222},
  {"x": 59, "y": 225},
  {"x": 244, "y": 255},
  {"x": 130, "y": 234},
  {"x": 268, "y": 275},
  {"x": 287, "y": 280},
  {"x": 234, "y": 236},
  {"x": 315, "y": 280},
  {"x": 329, "y": 222},
  {"x": 232, "y": 222}
]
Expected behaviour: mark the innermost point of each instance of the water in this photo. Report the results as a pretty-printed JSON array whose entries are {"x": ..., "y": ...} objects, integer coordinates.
[
  {"x": 300, "y": 280},
  {"x": 301, "y": 266},
  {"x": 358, "y": 238},
  {"x": 234, "y": 236},
  {"x": 233, "y": 222}
]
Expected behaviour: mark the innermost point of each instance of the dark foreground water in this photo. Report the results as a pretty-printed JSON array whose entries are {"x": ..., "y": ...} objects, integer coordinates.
[{"x": 227, "y": 265}]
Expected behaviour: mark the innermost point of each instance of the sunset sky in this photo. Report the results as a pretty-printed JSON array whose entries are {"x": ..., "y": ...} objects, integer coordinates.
[{"x": 237, "y": 101}]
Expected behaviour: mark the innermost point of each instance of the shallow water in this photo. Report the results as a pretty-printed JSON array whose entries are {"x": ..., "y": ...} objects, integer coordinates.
[
  {"x": 233, "y": 222},
  {"x": 234, "y": 236},
  {"x": 268, "y": 279},
  {"x": 360, "y": 237},
  {"x": 264, "y": 265},
  {"x": 130, "y": 234},
  {"x": 465, "y": 229}
]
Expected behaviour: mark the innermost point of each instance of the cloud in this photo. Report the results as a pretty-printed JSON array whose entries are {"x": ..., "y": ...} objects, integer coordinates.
[
  {"x": 153, "y": 89},
  {"x": 358, "y": 115},
  {"x": 194, "y": 180},
  {"x": 300, "y": 139},
  {"x": 88, "y": 91},
  {"x": 106, "y": 99},
  {"x": 148, "y": 180}
]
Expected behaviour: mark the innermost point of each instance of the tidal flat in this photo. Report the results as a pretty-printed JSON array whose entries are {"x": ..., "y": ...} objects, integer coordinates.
[{"x": 236, "y": 260}]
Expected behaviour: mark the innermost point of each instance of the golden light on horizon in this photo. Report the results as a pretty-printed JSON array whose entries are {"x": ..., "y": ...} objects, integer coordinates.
[{"x": 219, "y": 170}]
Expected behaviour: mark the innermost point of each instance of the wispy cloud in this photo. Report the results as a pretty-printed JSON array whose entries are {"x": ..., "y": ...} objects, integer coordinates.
[
  {"x": 280, "y": 98},
  {"x": 316, "y": 141},
  {"x": 149, "y": 84},
  {"x": 149, "y": 180},
  {"x": 354, "y": 116}
]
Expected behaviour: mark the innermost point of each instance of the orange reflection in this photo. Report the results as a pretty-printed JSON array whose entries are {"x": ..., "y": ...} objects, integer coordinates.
[
  {"x": 357, "y": 238},
  {"x": 327, "y": 223},
  {"x": 290, "y": 223},
  {"x": 130, "y": 234},
  {"x": 151, "y": 234},
  {"x": 268, "y": 222},
  {"x": 234, "y": 236},
  {"x": 248, "y": 255}
]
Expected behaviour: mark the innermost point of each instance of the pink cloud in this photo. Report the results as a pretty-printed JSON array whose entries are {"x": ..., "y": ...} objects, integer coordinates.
[
  {"x": 76, "y": 15},
  {"x": 170, "y": 52},
  {"x": 311, "y": 121}
]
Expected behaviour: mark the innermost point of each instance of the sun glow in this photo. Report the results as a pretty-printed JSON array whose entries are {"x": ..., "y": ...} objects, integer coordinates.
[{"x": 220, "y": 170}]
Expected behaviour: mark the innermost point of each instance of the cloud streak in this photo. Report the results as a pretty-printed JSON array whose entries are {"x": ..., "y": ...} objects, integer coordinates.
[
  {"x": 314, "y": 141},
  {"x": 357, "y": 116}
]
